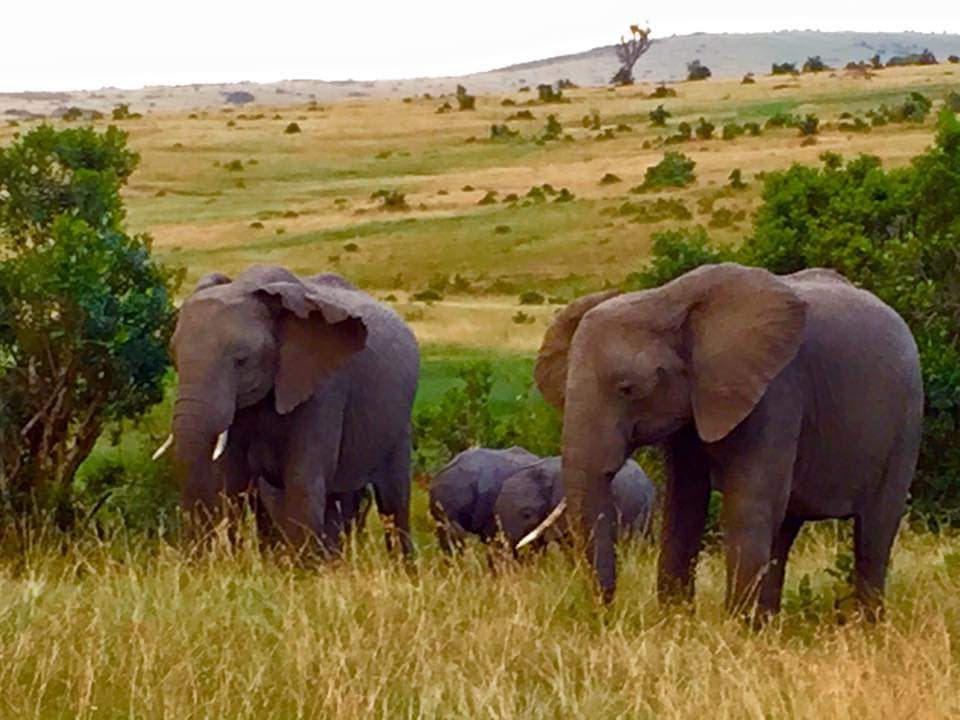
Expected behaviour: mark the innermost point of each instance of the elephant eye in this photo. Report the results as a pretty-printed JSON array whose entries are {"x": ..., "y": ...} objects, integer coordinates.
[
  {"x": 627, "y": 389},
  {"x": 240, "y": 362}
]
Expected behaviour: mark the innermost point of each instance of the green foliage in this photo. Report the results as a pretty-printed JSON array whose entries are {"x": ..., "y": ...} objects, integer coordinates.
[
  {"x": 502, "y": 132},
  {"x": 810, "y": 125},
  {"x": 464, "y": 417},
  {"x": 952, "y": 101},
  {"x": 684, "y": 134},
  {"x": 783, "y": 69},
  {"x": 553, "y": 130},
  {"x": 122, "y": 112},
  {"x": 292, "y": 129},
  {"x": 781, "y": 120},
  {"x": 658, "y": 116},
  {"x": 655, "y": 211},
  {"x": 815, "y": 64},
  {"x": 547, "y": 94},
  {"x": 391, "y": 200},
  {"x": 704, "y": 129},
  {"x": 923, "y": 58},
  {"x": 662, "y": 91},
  {"x": 675, "y": 252},
  {"x": 736, "y": 179},
  {"x": 732, "y": 130},
  {"x": 674, "y": 170},
  {"x": 610, "y": 179},
  {"x": 85, "y": 312}
]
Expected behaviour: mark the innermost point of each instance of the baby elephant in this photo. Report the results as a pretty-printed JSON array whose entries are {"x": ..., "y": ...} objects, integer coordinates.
[
  {"x": 529, "y": 496},
  {"x": 463, "y": 493}
]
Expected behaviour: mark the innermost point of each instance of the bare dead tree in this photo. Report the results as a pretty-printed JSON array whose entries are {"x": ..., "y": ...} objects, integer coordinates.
[{"x": 629, "y": 51}]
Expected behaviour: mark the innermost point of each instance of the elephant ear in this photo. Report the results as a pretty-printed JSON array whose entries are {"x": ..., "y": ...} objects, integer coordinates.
[
  {"x": 745, "y": 327},
  {"x": 550, "y": 372},
  {"x": 316, "y": 336}
]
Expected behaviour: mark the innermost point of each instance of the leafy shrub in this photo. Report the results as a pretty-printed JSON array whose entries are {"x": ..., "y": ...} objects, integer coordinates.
[
  {"x": 724, "y": 217},
  {"x": 953, "y": 59},
  {"x": 521, "y": 115},
  {"x": 427, "y": 296},
  {"x": 704, "y": 129},
  {"x": 531, "y": 297},
  {"x": 445, "y": 108},
  {"x": 815, "y": 64},
  {"x": 465, "y": 101},
  {"x": 697, "y": 71},
  {"x": 234, "y": 166},
  {"x": 490, "y": 198},
  {"x": 71, "y": 114},
  {"x": 522, "y": 318},
  {"x": 752, "y": 128},
  {"x": 292, "y": 129},
  {"x": 610, "y": 179},
  {"x": 736, "y": 179},
  {"x": 732, "y": 130},
  {"x": 810, "y": 125},
  {"x": 952, "y": 101},
  {"x": 662, "y": 91},
  {"x": 592, "y": 121},
  {"x": 674, "y": 170},
  {"x": 853, "y": 124},
  {"x": 675, "y": 252},
  {"x": 547, "y": 94},
  {"x": 122, "y": 112},
  {"x": 658, "y": 116},
  {"x": 552, "y": 130},
  {"x": 684, "y": 134},
  {"x": 85, "y": 312},
  {"x": 748, "y": 79},
  {"x": 781, "y": 120},
  {"x": 783, "y": 69},
  {"x": 923, "y": 58}
]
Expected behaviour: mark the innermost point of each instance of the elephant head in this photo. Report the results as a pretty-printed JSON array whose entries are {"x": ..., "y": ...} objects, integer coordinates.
[
  {"x": 527, "y": 498},
  {"x": 238, "y": 341},
  {"x": 631, "y": 370}
]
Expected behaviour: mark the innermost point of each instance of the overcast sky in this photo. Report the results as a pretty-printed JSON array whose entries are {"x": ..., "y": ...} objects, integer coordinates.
[{"x": 74, "y": 44}]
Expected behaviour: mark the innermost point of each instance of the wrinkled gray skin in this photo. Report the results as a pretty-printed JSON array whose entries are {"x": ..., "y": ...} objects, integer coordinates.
[
  {"x": 463, "y": 493},
  {"x": 529, "y": 495},
  {"x": 799, "y": 397},
  {"x": 315, "y": 381}
]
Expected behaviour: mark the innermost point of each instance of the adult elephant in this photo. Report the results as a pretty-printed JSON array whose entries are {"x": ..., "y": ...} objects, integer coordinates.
[
  {"x": 800, "y": 397},
  {"x": 306, "y": 386}
]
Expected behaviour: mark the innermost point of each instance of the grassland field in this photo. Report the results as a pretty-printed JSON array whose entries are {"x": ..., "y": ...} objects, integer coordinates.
[{"x": 129, "y": 626}]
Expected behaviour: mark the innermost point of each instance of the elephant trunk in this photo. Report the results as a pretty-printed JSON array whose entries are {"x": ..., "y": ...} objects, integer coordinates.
[
  {"x": 590, "y": 461},
  {"x": 196, "y": 428}
]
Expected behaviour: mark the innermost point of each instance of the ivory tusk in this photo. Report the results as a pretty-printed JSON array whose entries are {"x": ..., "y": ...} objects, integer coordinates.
[
  {"x": 158, "y": 453},
  {"x": 544, "y": 526},
  {"x": 221, "y": 445}
]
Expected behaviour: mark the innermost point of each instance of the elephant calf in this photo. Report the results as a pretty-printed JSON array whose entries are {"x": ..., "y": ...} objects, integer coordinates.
[
  {"x": 532, "y": 493},
  {"x": 463, "y": 493}
]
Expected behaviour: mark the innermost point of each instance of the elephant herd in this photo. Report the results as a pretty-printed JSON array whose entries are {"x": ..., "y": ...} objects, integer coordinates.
[{"x": 798, "y": 397}]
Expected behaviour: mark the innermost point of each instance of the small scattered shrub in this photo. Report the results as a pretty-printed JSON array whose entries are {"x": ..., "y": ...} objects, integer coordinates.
[
  {"x": 490, "y": 198},
  {"x": 521, "y": 115},
  {"x": 121, "y": 111},
  {"x": 684, "y": 133},
  {"x": 531, "y": 297},
  {"x": 810, "y": 125},
  {"x": 724, "y": 217},
  {"x": 732, "y": 130},
  {"x": 351, "y": 247},
  {"x": 610, "y": 179},
  {"x": 952, "y": 100},
  {"x": 748, "y": 79},
  {"x": 697, "y": 71},
  {"x": 953, "y": 59},
  {"x": 783, "y": 69},
  {"x": 736, "y": 179},
  {"x": 659, "y": 115},
  {"x": 782, "y": 120},
  {"x": 752, "y": 128},
  {"x": 292, "y": 129},
  {"x": 502, "y": 230},
  {"x": 547, "y": 94},
  {"x": 502, "y": 132},
  {"x": 234, "y": 166},
  {"x": 465, "y": 101},
  {"x": 445, "y": 108},
  {"x": 71, "y": 114},
  {"x": 522, "y": 318},
  {"x": 552, "y": 130},
  {"x": 815, "y": 64},
  {"x": 592, "y": 121},
  {"x": 922, "y": 58},
  {"x": 256, "y": 225},
  {"x": 655, "y": 211},
  {"x": 704, "y": 129},
  {"x": 674, "y": 170},
  {"x": 426, "y": 296},
  {"x": 662, "y": 91}
]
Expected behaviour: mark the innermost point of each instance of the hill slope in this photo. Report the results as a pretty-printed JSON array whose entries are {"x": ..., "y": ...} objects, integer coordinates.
[{"x": 727, "y": 55}]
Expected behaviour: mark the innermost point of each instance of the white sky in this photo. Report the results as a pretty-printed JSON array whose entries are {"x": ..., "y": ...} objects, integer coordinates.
[{"x": 74, "y": 44}]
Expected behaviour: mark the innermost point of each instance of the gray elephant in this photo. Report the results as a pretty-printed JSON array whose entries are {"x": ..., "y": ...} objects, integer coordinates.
[
  {"x": 533, "y": 493},
  {"x": 463, "y": 493},
  {"x": 799, "y": 397},
  {"x": 314, "y": 381}
]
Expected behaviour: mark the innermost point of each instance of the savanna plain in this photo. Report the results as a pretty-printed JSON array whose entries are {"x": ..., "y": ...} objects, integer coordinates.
[{"x": 476, "y": 236}]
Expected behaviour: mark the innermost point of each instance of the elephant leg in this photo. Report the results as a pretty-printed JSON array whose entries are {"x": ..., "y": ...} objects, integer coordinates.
[
  {"x": 393, "y": 498},
  {"x": 684, "y": 516},
  {"x": 874, "y": 531},
  {"x": 771, "y": 588}
]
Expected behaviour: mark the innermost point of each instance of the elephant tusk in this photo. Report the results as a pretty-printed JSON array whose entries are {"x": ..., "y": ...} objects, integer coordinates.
[
  {"x": 544, "y": 526},
  {"x": 221, "y": 445},
  {"x": 158, "y": 453}
]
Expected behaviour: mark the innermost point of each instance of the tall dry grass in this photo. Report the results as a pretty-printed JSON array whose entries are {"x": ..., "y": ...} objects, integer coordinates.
[{"x": 126, "y": 628}]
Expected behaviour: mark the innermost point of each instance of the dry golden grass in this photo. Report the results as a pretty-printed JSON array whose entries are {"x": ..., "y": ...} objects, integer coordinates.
[{"x": 104, "y": 630}]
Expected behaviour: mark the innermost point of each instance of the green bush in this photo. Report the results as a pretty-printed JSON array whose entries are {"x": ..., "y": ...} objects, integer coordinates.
[
  {"x": 732, "y": 130},
  {"x": 552, "y": 130},
  {"x": 547, "y": 94},
  {"x": 662, "y": 91},
  {"x": 674, "y": 170},
  {"x": 658, "y": 116},
  {"x": 952, "y": 101},
  {"x": 815, "y": 64},
  {"x": 704, "y": 129},
  {"x": 85, "y": 312},
  {"x": 531, "y": 297},
  {"x": 810, "y": 125},
  {"x": 783, "y": 69},
  {"x": 292, "y": 129},
  {"x": 502, "y": 132},
  {"x": 736, "y": 179},
  {"x": 655, "y": 211},
  {"x": 675, "y": 252},
  {"x": 684, "y": 134},
  {"x": 391, "y": 200}
]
